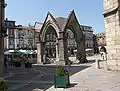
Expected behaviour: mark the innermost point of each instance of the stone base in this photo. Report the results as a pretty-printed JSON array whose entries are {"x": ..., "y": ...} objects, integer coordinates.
[
  {"x": 113, "y": 57},
  {"x": 1, "y": 70},
  {"x": 60, "y": 62},
  {"x": 40, "y": 63},
  {"x": 113, "y": 67}
]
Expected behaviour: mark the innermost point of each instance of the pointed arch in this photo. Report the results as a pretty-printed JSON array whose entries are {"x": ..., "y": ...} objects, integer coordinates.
[
  {"x": 49, "y": 21},
  {"x": 73, "y": 24},
  {"x": 46, "y": 28}
]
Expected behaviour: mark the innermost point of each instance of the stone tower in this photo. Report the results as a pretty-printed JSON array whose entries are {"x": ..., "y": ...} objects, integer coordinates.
[{"x": 112, "y": 27}]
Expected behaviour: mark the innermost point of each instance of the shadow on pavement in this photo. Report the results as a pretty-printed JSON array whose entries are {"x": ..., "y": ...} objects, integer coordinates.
[
  {"x": 91, "y": 61},
  {"x": 72, "y": 85},
  {"x": 42, "y": 77}
]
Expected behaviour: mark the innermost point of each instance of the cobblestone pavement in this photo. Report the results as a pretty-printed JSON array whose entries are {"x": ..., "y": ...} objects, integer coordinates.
[
  {"x": 83, "y": 77},
  {"x": 41, "y": 77},
  {"x": 92, "y": 79}
]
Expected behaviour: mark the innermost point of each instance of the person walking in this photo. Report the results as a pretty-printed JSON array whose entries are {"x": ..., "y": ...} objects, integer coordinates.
[
  {"x": 5, "y": 66},
  {"x": 5, "y": 62}
]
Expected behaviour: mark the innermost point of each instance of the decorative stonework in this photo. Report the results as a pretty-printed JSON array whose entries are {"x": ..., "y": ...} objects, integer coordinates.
[{"x": 112, "y": 27}]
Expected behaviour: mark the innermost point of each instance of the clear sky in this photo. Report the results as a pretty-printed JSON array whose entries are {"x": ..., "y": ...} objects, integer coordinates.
[{"x": 88, "y": 12}]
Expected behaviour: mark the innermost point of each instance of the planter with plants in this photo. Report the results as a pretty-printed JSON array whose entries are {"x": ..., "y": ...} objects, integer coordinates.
[
  {"x": 17, "y": 63},
  {"x": 3, "y": 85},
  {"x": 28, "y": 64},
  {"x": 61, "y": 77}
]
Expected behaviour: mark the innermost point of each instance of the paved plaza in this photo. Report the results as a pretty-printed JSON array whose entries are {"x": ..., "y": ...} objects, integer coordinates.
[{"x": 83, "y": 77}]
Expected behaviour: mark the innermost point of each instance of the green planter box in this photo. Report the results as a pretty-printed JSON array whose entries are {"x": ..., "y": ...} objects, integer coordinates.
[{"x": 61, "y": 81}]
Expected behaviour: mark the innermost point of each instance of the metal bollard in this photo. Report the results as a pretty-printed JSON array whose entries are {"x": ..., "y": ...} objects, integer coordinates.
[{"x": 97, "y": 63}]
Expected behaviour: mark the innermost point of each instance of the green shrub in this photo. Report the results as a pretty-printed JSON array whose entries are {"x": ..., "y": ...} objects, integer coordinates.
[
  {"x": 3, "y": 86},
  {"x": 61, "y": 71}
]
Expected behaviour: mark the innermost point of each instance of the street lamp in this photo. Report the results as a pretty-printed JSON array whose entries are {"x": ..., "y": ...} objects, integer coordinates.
[
  {"x": 2, "y": 35},
  {"x": 3, "y": 25}
]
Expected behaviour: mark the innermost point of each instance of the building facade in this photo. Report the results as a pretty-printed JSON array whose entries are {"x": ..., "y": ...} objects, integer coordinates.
[
  {"x": 101, "y": 39},
  {"x": 88, "y": 32},
  {"x": 19, "y": 37},
  {"x": 112, "y": 28},
  {"x": 10, "y": 32}
]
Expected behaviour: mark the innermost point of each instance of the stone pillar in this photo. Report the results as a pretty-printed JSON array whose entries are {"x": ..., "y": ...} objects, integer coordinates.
[
  {"x": 40, "y": 52},
  {"x": 57, "y": 51},
  {"x": 61, "y": 56},
  {"x": 81, "y": 51},
  {"x": 62, "y": 45},
  {"x": 78, "y": 55},
  {"x": 112, "y": 27}
]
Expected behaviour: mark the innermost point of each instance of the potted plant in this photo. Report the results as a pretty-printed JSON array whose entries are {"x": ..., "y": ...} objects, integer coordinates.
[
  {"x": 3, "y": 85},
  {"x": 61, "y": 77}
]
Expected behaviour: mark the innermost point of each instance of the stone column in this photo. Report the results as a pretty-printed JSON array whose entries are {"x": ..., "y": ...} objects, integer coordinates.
[
  {"x": 62, "y": 44},
  {"x": 57, "y": 51},
  {"x": 78, "y": 55},
  {"x": 81, "y": 51},
  {"x": 61, "y": 56},
  {"x": 40, "y": 52}
]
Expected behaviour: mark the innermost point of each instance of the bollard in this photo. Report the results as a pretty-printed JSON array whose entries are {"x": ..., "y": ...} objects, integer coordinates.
[{"x": 97, "y": 63}]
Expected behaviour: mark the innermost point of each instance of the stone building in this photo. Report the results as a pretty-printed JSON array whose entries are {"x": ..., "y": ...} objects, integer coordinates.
[
  {"x": 24, "y": 37},
  {"x": 101, "y": 42},
  {"x": 112, "y": 27},
  {"x": 95, "y": 44},
  {"x": 89, "y": 44},
  {"x": 10, "y": 32},
  {"x": 54, "y": 35},
  {"x": 101, "y": 39}
]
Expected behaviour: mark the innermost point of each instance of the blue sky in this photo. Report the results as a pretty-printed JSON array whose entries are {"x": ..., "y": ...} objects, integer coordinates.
[{"x": 88, "y": 12}]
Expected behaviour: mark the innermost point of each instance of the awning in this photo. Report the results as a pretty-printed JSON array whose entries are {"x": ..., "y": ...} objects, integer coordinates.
[
  {"x": 88, "y": 49},
  {"x": 75, "y": 50},
  {"x": 11, "y": 52},
  {"x": 29, "y": 51},
  {"x": 17, "y": 52}
]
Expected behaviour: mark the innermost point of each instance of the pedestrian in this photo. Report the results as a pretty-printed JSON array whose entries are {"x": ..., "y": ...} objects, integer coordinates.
[
  {"x": 5, "y": 66},
  {"x": 101, "y": 54},
  {"x": 5, "y": 61}
]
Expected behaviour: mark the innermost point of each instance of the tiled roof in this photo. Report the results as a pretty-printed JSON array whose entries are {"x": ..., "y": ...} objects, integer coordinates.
[{"x": 60, "y": 21}]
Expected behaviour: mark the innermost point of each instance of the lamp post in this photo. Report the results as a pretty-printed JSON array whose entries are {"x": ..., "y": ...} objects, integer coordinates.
[{"x": 2, "y": 34}]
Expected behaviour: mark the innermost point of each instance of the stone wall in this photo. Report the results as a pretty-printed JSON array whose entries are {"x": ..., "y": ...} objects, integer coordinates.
[{"x": 112, "y": 27}]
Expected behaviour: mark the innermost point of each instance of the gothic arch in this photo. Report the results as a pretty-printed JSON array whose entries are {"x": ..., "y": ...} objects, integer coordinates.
[
  {"x": 78, "y": 34},
  {"x": 103, "y": 49},
  {"x": 45, "y": 29}
]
